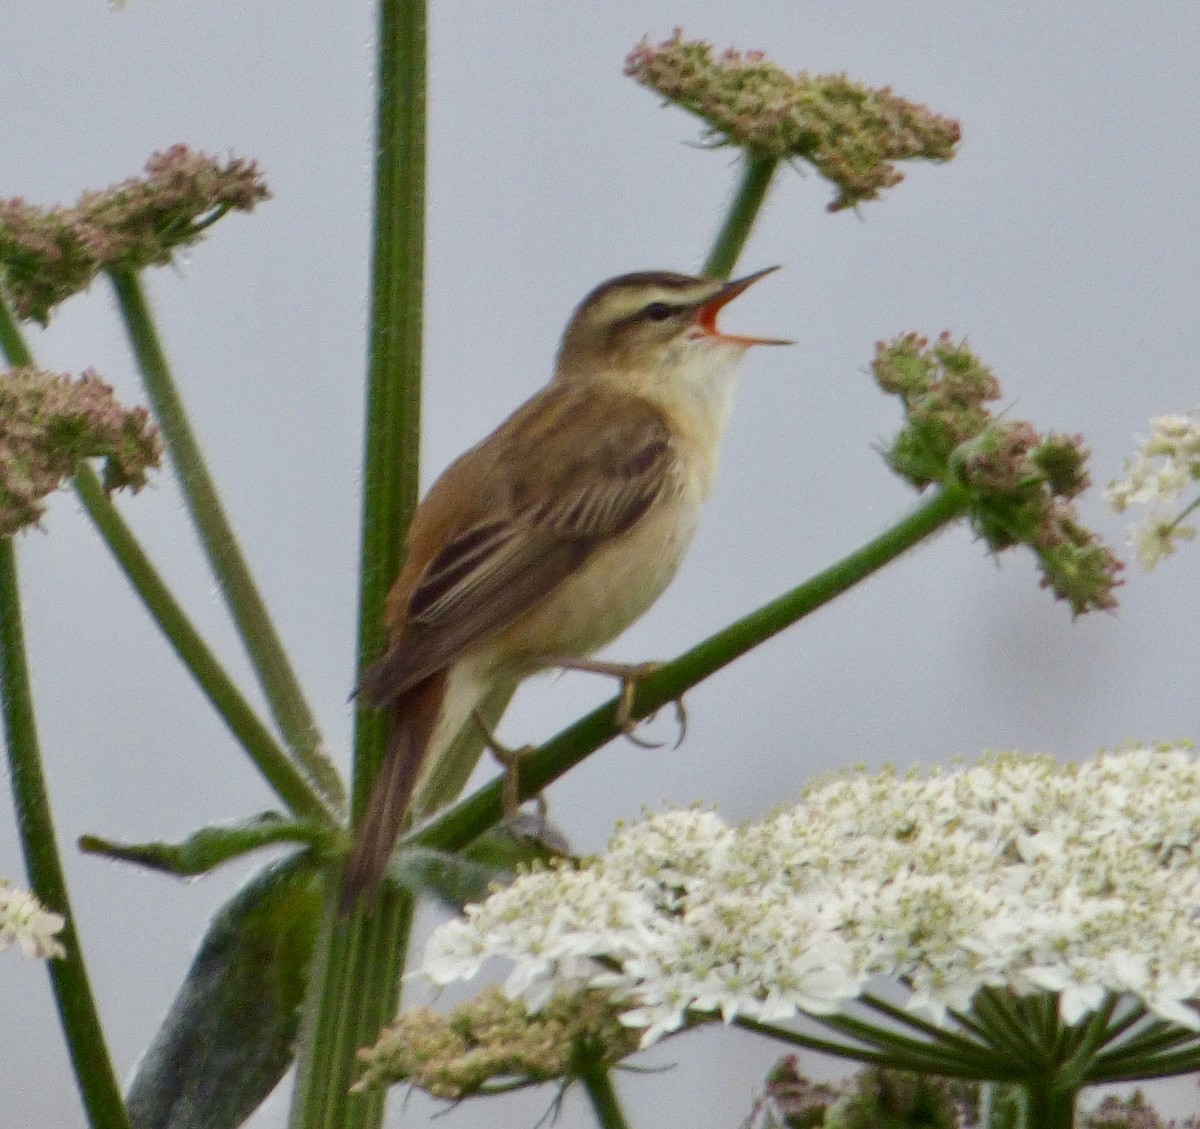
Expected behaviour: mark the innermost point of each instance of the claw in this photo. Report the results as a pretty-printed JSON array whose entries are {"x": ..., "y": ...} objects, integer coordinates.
[
  {"x": 630, "y": 675},
  {"x": 682, "y": 718},
  {"x": 625, "y": 721},
  {"x": 509, "y": 760}
]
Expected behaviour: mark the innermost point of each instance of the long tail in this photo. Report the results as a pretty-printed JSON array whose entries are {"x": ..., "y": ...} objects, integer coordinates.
[{"x": 413, "y": 717}]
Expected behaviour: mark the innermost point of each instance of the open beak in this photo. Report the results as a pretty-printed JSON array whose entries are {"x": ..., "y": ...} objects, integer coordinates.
[{"x": 706, "y": 315}]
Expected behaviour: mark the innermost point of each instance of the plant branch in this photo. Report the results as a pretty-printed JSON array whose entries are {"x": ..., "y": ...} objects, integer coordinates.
[
  {"x": 954, "y": 1043},
  {"x": 269, "y": 757},
  {"x": 12, "y": 344},
  {"x": 912, "y": 1057},
  {"x": 355, "y": 985},
  {"x": 475, "y": 814},
  {"x": 80, "y": 1020},
  {"x": 603, "y": 1095},
  {"x": 271, "y": 760},
  {"x": 270, "y": 661},
  {"x": 757, "y": 172}
]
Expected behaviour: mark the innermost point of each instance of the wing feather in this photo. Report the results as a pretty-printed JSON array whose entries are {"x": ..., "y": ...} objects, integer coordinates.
[{"x": 568, "y": 491}]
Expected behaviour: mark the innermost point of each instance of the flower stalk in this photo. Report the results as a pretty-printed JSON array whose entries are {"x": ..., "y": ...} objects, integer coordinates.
[
  {"x": 751, "y": 194},
  {"x": 90, "y": 1060},
  {"x": 598, "y": 1085},
  {"x": 269, "y": 757},
  {"x": 267, "y": 654},
  {"x": 356, "y": 979}
]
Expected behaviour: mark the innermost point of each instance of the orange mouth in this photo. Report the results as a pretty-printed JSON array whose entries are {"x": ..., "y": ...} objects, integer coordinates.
[{"x": 706, "y": 315}]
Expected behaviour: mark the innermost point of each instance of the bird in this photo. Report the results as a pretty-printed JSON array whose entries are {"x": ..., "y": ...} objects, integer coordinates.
[{"x": 543, "y": 542}]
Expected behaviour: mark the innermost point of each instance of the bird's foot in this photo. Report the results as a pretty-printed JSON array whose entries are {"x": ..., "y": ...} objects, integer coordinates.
[
  {"x": 509, "y": 760},
  {"x": 630, "y": 674}
]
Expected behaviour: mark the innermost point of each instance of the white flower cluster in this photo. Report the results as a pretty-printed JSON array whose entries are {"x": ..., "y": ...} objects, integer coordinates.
[
  {"x": 1016, "y": 873},
  {"x": 1166, "y": 464},
  {"x": 25, "y": 922}
]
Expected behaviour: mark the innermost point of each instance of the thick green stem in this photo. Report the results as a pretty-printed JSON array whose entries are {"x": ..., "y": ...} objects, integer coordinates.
[
  {"x": 269, "y": 757},
  {"x": 474, "y": 815},
  {"x": 270, "y": 661},
  {"x": 354, "y": 991},
  {"x": 1003, "y": 1106},
  {"x": 603, "y": 1096},
  {"x": 68, "y": 976},
  {"x": 751, "y": 192},
  {"x": 391, "y": 473},
  {"x": 355, "y": 986},
  {"x": 1047, "y": 1108}
]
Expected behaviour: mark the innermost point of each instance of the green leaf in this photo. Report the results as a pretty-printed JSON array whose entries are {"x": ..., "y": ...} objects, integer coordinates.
[
  {"x": 520, "y": 840},
  {"x": 209, "y": 847},
  {"x": 456, "y": 879},
  {"x": 452, "y": 879},
  {"x": 229, "y": 1036}
]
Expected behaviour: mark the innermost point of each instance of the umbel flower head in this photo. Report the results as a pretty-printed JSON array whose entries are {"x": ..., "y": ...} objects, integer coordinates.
[
  {"x": 1016, "y": 879},
  {"x": 851, "y": 134},
  {"x": 493, "y": 1040},
  {"x": 26, "y": 923},
  {"x": 48, "y": 254},
  {"x": 1020, "y": 484},
  {"x": 1167, "y": 464},
  {"x": 49, "y": 423}
]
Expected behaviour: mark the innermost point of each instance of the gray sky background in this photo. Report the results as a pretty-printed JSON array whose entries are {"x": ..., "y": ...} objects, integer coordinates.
[{"x": 1061, "y": 242}]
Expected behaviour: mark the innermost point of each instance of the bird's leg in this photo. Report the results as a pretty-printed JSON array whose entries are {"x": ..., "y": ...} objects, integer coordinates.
[
  {"x": 509, "y": 759},
  {"x": 630, "y": 674}
]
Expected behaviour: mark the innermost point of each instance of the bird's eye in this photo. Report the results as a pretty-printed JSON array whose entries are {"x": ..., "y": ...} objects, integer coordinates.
[{"x": 657, "y": 311}]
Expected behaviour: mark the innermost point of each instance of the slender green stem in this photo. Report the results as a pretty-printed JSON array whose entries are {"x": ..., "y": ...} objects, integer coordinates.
[
  {"x": 271, "y": 760},
  {"x": 12, "y": 344},
  {"x": 855, "y": 1053},
  {"x": 952, "y": 1042},
  {"x": 914, "y": 1054},
  {"x": 270, "y": 661},
  {"x": 1092, "y": 1036},
  {"x": 210, "y": 847},
  {"x": 876, "y": 1050},
  {"x": 68, "y": 976},
  {"x": 1133, "y": 1016},
  {"x": 1189, "y": 509},
  {"x": 475, "y": 814},
  {"x": 1151, "y": 1040},
  {"x": 268, "y": 755},
  {"x": 359, "y": 959},
  {"x": 751, "y": 192},
  {"x": 1135, "y": 1068},
  {"x": 1003, "y": 1029},
  {"x": 603, "y": 1095},
  {"x": 969, "y": 1024}
]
